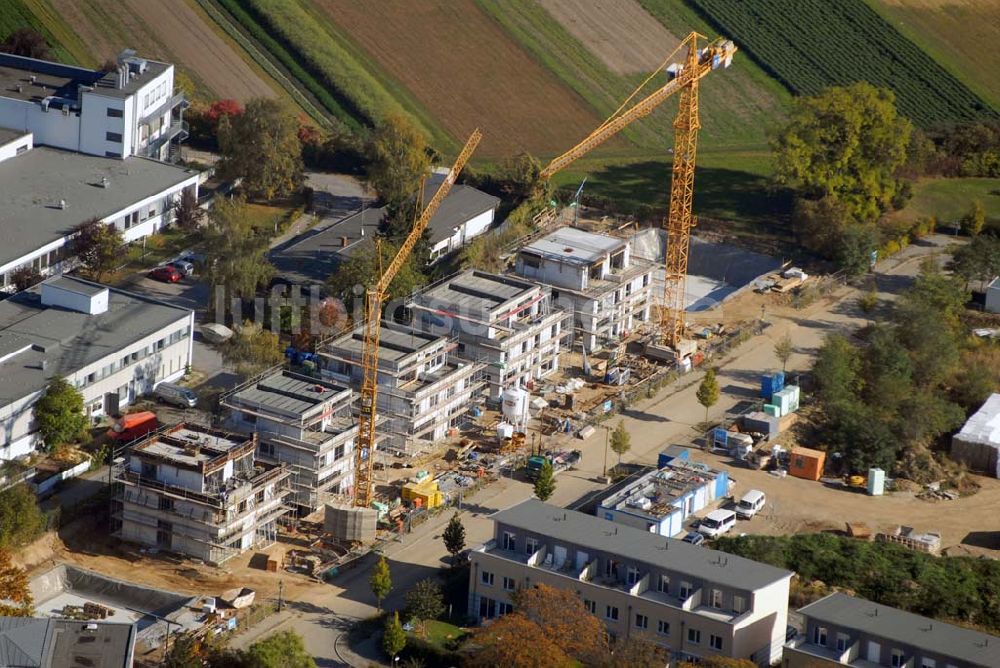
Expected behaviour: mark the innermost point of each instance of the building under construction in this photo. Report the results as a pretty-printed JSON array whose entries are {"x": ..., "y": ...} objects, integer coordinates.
[
  {"x": 508, "y": 323},
  {"x": 199, "y": 492},
  {"x": 425, "y": 390},
  {"x": 304, "y": 423}
]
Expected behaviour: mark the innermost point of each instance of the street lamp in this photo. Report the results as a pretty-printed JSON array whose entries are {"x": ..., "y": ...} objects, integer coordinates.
[{"x": 607, "y": 439}]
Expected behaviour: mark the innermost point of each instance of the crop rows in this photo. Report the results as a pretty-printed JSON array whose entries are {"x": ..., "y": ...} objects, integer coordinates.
[{"x": 811, "y": 44}]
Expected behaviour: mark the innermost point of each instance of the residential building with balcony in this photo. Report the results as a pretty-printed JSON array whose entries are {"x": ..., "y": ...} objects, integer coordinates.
[
  {"x": 198, "y": 491},
  {"x": 112, "y": 345},
  {"x": 842, "y": 630},
  {"x": 304, "y": 423},
  {"x": 507, "y": 323},
  {"x": 694, "y": 601},
  {"x": 424, "y": 389},
  {"x": 662, "y": 501},
  {"x": 132, "y": 110},
  {"x": 594, "y": 276}
]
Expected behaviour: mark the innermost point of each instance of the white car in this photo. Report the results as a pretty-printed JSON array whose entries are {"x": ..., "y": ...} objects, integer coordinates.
[
  {"x": 717, "y": 523},
  {"x": 750, "y": 504}
]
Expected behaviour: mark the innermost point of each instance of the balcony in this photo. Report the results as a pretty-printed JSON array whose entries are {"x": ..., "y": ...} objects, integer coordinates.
[
  {"x": 173, "y": 102},
  {"x": 177, "y": 130}
]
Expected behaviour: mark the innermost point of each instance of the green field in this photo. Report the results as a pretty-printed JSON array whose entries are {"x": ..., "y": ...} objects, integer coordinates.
[
  {"x": 950, "y": 199},
  {"x": 37, "y": 14},
  {"x": 812, "y": 44}
]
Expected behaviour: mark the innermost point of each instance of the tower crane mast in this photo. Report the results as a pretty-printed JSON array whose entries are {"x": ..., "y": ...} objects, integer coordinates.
[
  {"x": 364, "y": 450},
  {"x": 698, "y": 62}
]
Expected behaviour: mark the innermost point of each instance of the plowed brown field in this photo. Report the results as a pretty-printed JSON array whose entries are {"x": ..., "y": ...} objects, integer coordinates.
[
  {"x": 467, "y": 72},
  {"x": 622, "y": 34},
  {"x": 171, "y": 31}
]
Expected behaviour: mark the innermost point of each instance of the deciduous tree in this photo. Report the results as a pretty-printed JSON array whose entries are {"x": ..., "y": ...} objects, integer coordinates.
[
  {"x": 252, "y": 349},
  {"x": 515, "y": 640},
  {"x": 380, "y": 581},
  {"x": 563, "y": 617},
  {"x": 393, "y": 637},
  {"x": 545, "y": 483},
  {"x": 25, "y": 277},
  {"x": 978, "y": 260},
  {"x": 21, "y": 520},
  {"x": 281, "y": 650},
  {"x": 848, "y": 143},
  {"x": 236, "y": 253},
  {"x": 783, "y": 349},
  {"x": 188, "y": 214},
  {"x": 26, "y": 42},
  {"x": 454, "y": 537},
  {"x": 708, "y": 391},
  {"x": 364, "y": 268},
  {"x": 621, "y": 440},
  {"x": 15, "y": 595},
  {"x": 261, "y": 145},
  {"x": 425, "y": 601},
  {"x": 637, "y": 651},
  {"x": 59, "y": 413},
  {"x": 98, "y": 247},
  {"x": 974, "y": 221},
  {"x": 398, "y": 161}
]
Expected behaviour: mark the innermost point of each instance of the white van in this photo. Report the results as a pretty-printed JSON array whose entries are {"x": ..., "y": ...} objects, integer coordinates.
[
  {"x": 751, "y": 502},
  {"x": 176, "y": 395},
  {"x": 717, "y": 523}
]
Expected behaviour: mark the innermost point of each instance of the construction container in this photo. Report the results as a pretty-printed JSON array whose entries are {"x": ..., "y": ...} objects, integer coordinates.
[
  {"x": 673, "y": 454},
  {"x": 720, "y": 439},
  {"x": 771, "y": 383},
  {"x": 424, "y": 494},
  {"x": 795, "y": 393},
  {"x": 783, "y": 399},
  {"x": 759, "y": 421},
  {"x": 806, "y": 463},
  {"x": 772, "y": 410},
  {"x": 876, "y": 482}
]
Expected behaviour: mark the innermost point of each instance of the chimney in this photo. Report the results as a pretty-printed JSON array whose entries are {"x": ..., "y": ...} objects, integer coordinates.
[
  {"x": 62, "y": 204},
  {"x": 105, "y": 182},
  {"x": 43, "y": 365}
]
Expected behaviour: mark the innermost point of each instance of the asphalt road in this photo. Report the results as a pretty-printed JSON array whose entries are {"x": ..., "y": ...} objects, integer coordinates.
[{"x": 665, "y": 419}]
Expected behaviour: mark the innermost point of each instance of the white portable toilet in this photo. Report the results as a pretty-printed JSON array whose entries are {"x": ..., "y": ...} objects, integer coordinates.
[{"x": 876, "y": 482}]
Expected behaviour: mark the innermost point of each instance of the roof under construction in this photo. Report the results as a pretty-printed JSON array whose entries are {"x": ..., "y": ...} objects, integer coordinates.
[{"x": 654, "y": 494}]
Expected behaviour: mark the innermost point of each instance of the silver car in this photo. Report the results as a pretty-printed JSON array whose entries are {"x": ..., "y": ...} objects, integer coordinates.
[
  {"x": 176, "y": 395},
  {"x": 183, "y": 266}
]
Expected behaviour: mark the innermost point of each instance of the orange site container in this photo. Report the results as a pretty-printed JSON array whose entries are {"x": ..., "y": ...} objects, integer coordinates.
[{"x": 806, "y": 463}]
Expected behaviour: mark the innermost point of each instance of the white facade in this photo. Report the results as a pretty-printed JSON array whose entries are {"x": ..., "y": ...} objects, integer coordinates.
[
  {"x": 131, "y": 111},
  {"x": 596, "y": 277},
  {"x": 463, "y": 234},
  {"x": 15, "y": 146}
]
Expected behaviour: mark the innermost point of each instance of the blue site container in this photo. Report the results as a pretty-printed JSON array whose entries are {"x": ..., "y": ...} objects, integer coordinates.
[
  {"x": 671, "y": 454},
  {"x": 771, "y": 383}
]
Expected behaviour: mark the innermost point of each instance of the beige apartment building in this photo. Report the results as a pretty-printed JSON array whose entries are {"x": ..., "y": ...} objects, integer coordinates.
[{"x": 694, "y": 601}]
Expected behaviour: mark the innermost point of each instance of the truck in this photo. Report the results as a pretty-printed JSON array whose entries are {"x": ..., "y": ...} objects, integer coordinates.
[
  {"x": 132, "y": 426},
  {"x": 560, "y": 461}
]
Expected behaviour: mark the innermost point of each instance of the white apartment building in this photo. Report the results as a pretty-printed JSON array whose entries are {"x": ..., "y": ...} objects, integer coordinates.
[
  {"x": 197, "y": 491},
  {"x": 694, "y": 601},
  {"x": 45, "y": 193},
  {"x": 596, "y": 277},
  {"x": 423, "y": 388},
  {"x": 303, "y": 423},
  {"x": 131, "y": 111},
  {"x": 112, "y": 345},
  {"x": 505, "y": 322}
]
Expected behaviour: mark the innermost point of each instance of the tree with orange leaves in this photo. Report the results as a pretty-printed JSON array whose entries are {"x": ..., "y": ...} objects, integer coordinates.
[
  {"x": 15, "y": 597},
  {"x": 564, "y": 619},
  {"x": 514, "y": 640}
]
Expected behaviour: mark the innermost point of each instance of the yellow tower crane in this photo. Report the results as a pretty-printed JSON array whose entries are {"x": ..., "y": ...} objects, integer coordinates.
[
  {"x": 364, "y": 451},
  {"x": 684, "y": 78}
]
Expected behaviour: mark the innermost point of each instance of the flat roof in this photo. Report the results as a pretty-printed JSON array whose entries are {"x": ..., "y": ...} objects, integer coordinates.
[
  {"x": 571, "y": 245},
  {"x": 33, "y": 184},
  {"x": 984, "y": 425},
  {"x": 190, "y": 445},
  {"x": 8, "y": 136},
  {"x": 84, "y": 288},
  {"x": 600, "y": 534},
  {"x": 290, "y": 393},
  {"x": 476, "y": 291},
  {"x": 396, "y": 342},
  {"x": 27, "y": 641},
  {"x": 663, "y": 488},
  {"x": 64, "y": 81},
  {"x": 906, "y": 628},
  {"x": 70, "y": 340},
  {"x": 317, "y": 254}
]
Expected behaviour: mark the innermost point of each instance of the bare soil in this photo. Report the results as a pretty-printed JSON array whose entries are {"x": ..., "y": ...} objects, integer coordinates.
[
  {"x": 622, "y": 34},
  {"x": 172, "y": 31},
  {"x": 468, "y": 73}
]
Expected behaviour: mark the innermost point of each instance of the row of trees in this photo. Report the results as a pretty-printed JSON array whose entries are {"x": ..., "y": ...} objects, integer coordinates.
[
  {"x": 281, "y": 650},
  {"x": 885, "y": 402}
]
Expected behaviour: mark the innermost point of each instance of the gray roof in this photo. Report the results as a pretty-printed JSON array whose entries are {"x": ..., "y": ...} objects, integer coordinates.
[
  {"x": 70, "y": 284},
  {"x": 8, "y": 136},
  {"x": 317, "y": 254},
  {"x": 474, "y": 292},
  {"x": 600, "y": 534},
  {"x": 396, "y": 341},
  {"x": 64, "y": 81},
  {"x": 69, "y": 340},
  {"x": 27, "y": 642},
  {"x": 906, "y": 628},
  {"x": 289, "y": 393},
  {"x": 32, "y": 184},
  {"x": 574, "y": 246}
]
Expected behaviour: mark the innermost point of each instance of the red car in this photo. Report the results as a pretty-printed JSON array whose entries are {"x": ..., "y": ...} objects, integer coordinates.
[{"x": 167, "y": 274}]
